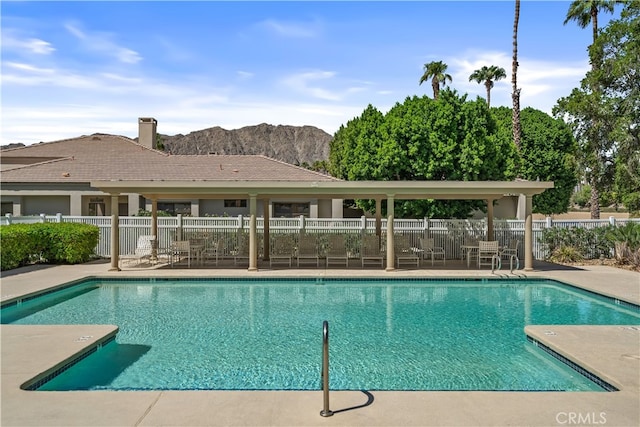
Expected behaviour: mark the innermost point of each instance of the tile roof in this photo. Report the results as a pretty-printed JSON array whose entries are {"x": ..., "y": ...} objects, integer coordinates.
[{"x": 110, "y": 157}]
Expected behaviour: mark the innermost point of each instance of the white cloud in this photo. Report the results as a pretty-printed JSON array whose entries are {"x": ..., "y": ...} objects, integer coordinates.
[
  {"x": 29, "y": 68},
  {"x": 71, "y": 120},
  {"x": 542, "y": 82},
  {"x": 291, "y": 29},
  {"x": 244, "y": 74},
  {"x": 306, "y": 84},
  {"x": 103, "y": 44},
  {"x": 14, "y": 41},
  {"x": 30, "y": 45}
]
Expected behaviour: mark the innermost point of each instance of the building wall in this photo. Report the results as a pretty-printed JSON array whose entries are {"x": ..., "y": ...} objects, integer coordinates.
[
  {"x": 318, "y": 208},
  {"x": 50, "y": 205},
  {"x": 325, "y": 208}
]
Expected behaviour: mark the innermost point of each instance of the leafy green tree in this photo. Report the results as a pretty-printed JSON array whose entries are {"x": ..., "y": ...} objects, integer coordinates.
[
  {"x": 585, "y": 12},
  {"x": 353, "y": 148},
  {"x": 450, "y": 138},
  {"x": 436, "y": 71},
  {"x": 488, "y": 75},
  {"x": 547, "y": 152},
  {"x": 618, "y": 79}
]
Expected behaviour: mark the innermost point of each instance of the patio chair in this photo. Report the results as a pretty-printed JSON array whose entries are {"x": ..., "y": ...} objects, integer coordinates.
[
  {"x": 242, "y": 249},
  {"x": 430, "y": 250},
  {"x": 337, "y": 250},
  {"x": 212, "y": 251},
  {"x": 308, "y": 249},
  {"x": 143, "y": 250},
  {"x": 282, "y": 247},
  {"x": 404, "y": 252},
  {"x": 486, "y": 252},
  {"x": 179, "y": 249},
  {"x": 370, "y": 250},
  {"x": 511, "y": 249}
]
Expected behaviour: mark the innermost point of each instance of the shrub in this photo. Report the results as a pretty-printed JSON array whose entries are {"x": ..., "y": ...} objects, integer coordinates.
[
  {"x": 564, "y": 254},
  {"x": 66, "y": 243},
  {"x": 589, "y": 243},
  {"x": 626, "y": 241},
  {"x": 17, "y": 245},
  {"x": 632, "y": 203},
  {"x": 70, "y": 243},
  {"x": 582, "y": 197}
]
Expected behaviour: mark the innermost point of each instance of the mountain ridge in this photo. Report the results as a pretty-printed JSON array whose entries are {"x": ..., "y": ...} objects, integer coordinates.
[{"x": 295, "y": 145}]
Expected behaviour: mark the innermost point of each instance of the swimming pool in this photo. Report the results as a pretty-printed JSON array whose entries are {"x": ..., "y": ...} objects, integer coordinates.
[{"x": 265, "y": 334}]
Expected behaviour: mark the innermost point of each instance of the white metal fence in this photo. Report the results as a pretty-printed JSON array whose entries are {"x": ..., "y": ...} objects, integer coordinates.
[{"x": 448, "y": 233}]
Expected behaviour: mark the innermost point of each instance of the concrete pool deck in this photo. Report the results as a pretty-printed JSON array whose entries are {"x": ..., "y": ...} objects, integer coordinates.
[{"x": 611, "y": 352}]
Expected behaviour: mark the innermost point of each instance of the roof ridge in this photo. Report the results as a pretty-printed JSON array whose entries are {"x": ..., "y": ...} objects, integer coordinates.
[
  {"x": 59, "y": 159},
  {"x": 120, "y": 137}
]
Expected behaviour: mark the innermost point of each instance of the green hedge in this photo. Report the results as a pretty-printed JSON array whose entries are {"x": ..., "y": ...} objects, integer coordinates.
[
  {"x": 55, "y": 243},
  {"x": 584, "y": 243}
]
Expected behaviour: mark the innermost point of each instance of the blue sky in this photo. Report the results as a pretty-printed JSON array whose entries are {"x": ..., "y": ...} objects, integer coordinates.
[{"x": 76, "y": 68}]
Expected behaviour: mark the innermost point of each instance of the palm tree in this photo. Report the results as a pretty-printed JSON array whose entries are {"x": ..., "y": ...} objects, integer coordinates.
[
  {"x": 515, "y": 94},
  {"x": 435, "y": 71},
  {"x": 488, "y": 75},
  {"x": 585, "y": 12}
]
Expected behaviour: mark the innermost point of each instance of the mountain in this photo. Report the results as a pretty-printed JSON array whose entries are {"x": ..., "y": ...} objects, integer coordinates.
[{"x": 291, "y": 144}]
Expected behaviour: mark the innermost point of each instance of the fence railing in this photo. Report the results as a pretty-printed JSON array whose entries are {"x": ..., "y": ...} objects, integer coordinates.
[{"x": 448, "y": 233}]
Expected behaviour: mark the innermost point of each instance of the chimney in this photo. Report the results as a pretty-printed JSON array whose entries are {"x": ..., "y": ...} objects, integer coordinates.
[{"x": 147, "y": 132}]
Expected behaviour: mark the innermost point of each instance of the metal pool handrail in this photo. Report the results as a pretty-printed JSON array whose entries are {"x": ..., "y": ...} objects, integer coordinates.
[{"x": 326, "y": 412}]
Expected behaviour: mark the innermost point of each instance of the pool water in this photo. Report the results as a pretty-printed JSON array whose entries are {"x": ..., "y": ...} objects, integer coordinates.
[{"x": 267, "y": 334}]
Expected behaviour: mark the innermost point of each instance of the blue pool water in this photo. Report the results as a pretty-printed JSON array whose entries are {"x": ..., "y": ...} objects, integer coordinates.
[{"x": 266, "y": 334}]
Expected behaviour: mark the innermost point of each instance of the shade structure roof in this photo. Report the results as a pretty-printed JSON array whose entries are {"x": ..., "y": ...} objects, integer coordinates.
[{"x": 403, "y": 190}]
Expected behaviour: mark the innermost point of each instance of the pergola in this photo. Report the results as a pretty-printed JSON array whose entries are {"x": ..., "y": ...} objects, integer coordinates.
[{"x": 488, "y": 191}]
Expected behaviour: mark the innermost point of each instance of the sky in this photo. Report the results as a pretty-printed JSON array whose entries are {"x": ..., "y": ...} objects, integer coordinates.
[{"x": 83, "y": 67}]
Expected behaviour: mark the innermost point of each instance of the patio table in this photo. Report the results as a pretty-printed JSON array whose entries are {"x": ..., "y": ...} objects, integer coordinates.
[{"x": 470, "y": 248}]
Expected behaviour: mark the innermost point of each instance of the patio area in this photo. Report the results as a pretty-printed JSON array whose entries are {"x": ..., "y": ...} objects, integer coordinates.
[{"x": 611, "y": 352}]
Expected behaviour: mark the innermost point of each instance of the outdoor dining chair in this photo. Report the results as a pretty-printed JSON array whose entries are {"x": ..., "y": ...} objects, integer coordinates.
[
  {"x": 486, "y": 252},
  {"x": 430, "y": 250}
]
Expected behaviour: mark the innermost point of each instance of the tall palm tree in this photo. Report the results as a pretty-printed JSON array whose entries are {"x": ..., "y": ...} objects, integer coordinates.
[
  {"x": 585, "y": 12},
  {"x": 515, "y": 94},
  {"x": 488, "y": 75},
  {"x": 436, "y": 71}
]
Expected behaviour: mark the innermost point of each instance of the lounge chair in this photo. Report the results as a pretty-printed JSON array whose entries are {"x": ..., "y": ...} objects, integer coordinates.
[
  {"x": 486, "y": 252},
  {"x": 370, "y": 250},
  {"x": 308, "y": 249},
  {"x": 282, "y": 248},
  {"x": 143, "y": 250},
  {"x": 404, "y": 252},
  {"x": 431, "y": 251},
  {"x": 337, "y": 250}
]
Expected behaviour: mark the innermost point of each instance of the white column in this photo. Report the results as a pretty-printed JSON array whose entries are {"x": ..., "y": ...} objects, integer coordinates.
[
  {"x": 133, "y": 203},
  {"x": 75, "y": 203},
  {"x": 379, "y": 218},
  {"x": 266, "y": 247},
  {"x": 253, "y": 234},
  {"x": 390, "y": 245},
  {"x": 154, "y": 230},
  {"x": 528, "y": 235},
  {"x": 115, "y": 234}
]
